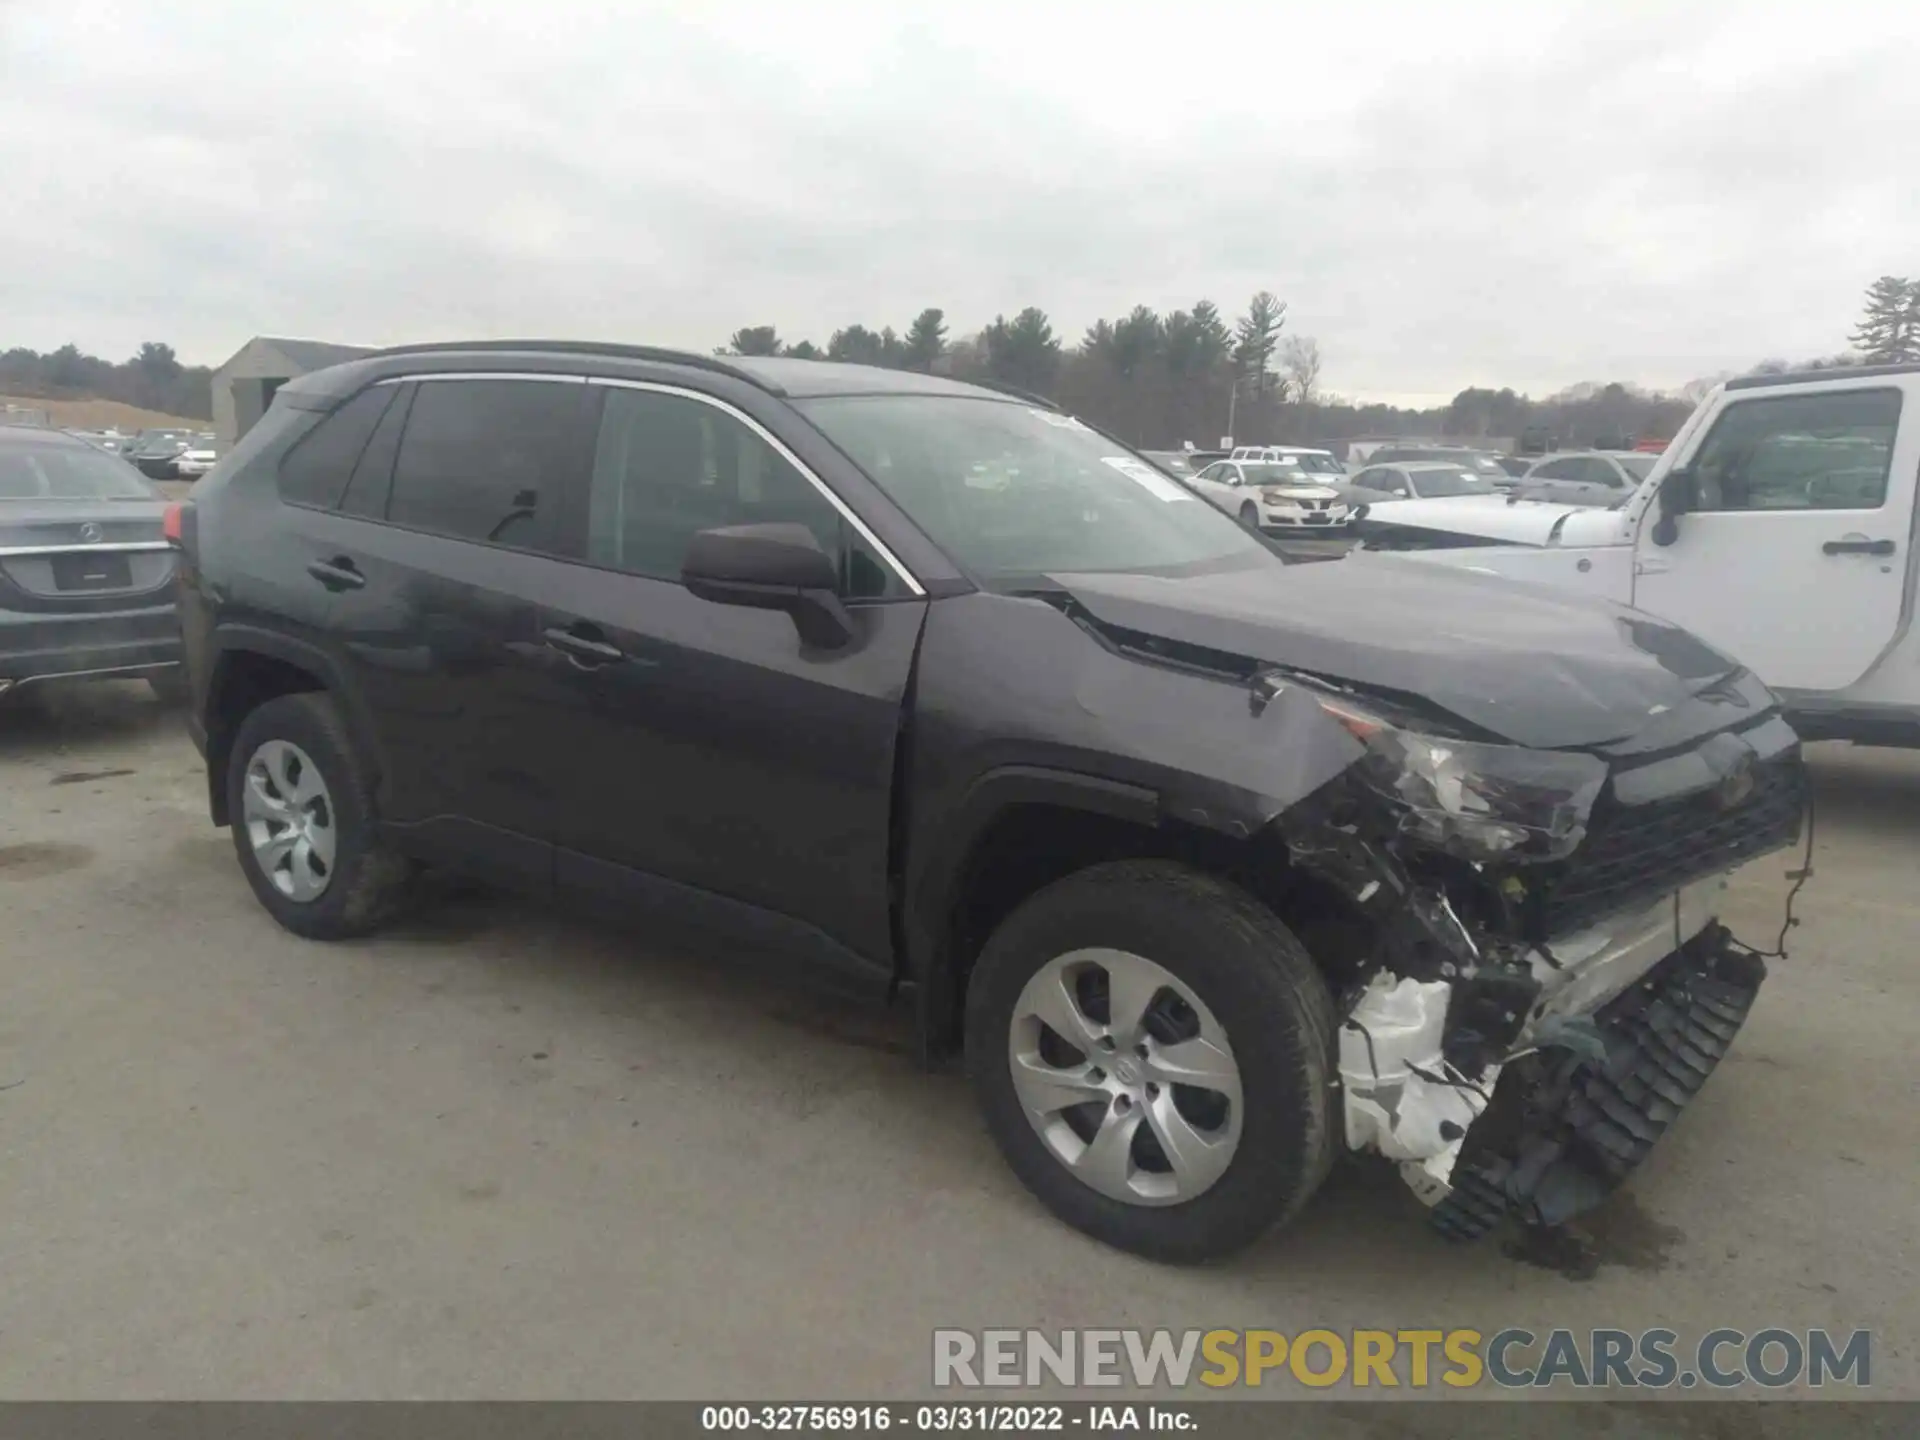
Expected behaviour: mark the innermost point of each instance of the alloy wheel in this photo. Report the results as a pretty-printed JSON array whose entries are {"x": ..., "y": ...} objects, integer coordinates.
[
  {"x": 290, "y": 820},
  {"x": 1126, "y": 1076}
]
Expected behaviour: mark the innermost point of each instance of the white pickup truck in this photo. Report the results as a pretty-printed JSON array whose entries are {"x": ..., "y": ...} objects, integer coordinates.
[{"x": 1779, "y": 525}]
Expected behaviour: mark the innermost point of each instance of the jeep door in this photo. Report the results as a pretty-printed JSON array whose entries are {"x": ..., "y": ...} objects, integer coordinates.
[{"x": 1794, "y": 553}]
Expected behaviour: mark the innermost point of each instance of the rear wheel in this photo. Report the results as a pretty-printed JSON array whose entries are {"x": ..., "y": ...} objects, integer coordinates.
[
  {"x": 1152, "y": 1051},
  {"x": 303, "y": 822}
]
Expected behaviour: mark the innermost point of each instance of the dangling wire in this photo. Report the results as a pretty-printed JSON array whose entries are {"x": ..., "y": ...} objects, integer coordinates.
[{"x": 1789, "y": 920}]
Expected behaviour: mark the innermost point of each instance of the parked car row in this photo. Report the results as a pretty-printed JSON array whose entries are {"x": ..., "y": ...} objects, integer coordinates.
[
  {"x": 158, "y": 453},
  {"x": 1212, "y": 867},
  {"x": 1295, "y": 489}
]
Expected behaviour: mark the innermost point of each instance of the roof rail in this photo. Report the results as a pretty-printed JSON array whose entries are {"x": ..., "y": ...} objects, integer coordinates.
[
  {"x": 717, "y": 363},
  {"x": 1003, "y": 388},
  {"x": 1829, "y": 372}
]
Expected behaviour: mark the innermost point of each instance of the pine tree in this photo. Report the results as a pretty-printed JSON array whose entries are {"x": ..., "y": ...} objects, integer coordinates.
[
  {"x": 1258, "y": 334},
  {"x": 1023, "y": 351},
  {"x": 753, "y": 340},
  {"x": 926, "y": 339},
  {"x": 1889, "y": 329}
]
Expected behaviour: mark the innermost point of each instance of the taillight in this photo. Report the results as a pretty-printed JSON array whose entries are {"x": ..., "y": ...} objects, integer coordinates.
[{"x": 171, "y": 524}]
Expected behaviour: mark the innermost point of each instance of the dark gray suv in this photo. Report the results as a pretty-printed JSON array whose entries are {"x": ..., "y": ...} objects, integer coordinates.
[{"x": 1214, "y": 867}]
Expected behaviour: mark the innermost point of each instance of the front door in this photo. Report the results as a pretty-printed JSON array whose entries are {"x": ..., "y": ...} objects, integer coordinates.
[
  {"x": 1794, "y": 556},
  {"x": 709, "y": 760}
]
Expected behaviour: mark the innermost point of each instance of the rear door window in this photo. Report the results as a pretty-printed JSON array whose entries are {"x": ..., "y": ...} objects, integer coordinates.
[
  {"x": 1569, "y": 469},
  {"x": 316, "y": 470},
  {"x": 486, "y": 459}
]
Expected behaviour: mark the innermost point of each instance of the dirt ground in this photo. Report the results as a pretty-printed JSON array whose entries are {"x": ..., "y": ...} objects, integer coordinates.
[
  {"x": 498, "y": 1153},
  {"x": 93, "y": 414}
]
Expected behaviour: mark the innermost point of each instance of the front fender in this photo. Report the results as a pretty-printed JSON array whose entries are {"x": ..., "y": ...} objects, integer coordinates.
[{"x": 1016, "y": 703}]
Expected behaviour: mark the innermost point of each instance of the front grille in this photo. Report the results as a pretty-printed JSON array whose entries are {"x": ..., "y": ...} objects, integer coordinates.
[{"x": 1641, "y": 852}]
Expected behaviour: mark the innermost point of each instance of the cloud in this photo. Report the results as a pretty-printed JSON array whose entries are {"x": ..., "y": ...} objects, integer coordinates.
[{"x": 1478, "y": 193}]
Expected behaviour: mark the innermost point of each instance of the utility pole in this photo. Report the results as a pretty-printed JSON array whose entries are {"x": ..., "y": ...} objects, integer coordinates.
[{"x": 1233, "y": 393}]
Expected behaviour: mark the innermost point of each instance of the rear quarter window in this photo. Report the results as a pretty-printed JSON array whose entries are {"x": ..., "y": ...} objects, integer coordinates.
[{"x": 315, "y": 471}]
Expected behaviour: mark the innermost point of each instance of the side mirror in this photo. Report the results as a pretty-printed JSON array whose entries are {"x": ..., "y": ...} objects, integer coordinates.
[
  {"x": 1679, "y": 493},
  {"x": 771, "y": 567}
]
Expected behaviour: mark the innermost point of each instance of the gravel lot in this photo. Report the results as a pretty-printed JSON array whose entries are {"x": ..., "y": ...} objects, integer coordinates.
[{"x": 498, "y": 1153}]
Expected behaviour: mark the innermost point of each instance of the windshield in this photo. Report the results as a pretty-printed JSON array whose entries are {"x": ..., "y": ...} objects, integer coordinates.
[
  {"x": 1478, "y": 464},
  {"x": 1273, "y": 473},
  {"x": 46, "y": 472},
  {"x": 1638, "y": 466},
  {"x": 1321, "y": 465},
  {"x": 1454, "y": 480},
  {"x": 1014, "y": 493}
]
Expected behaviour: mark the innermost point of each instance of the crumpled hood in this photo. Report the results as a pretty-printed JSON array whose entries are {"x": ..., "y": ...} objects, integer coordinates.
[
  {"x": 1536, "y": 666},
  {"x": 1496, "y": 517},
  {"x": 1300, "y": 492}
]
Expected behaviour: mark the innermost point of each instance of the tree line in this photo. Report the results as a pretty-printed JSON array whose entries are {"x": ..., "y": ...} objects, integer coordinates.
[
  {"x": 1154, "y": 380},
  {"x": 1192, "y": 374},
  {"x": 153, "y": 379}
]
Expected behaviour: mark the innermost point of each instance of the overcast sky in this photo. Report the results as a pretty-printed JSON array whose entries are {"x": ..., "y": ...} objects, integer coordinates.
[{"x": 1522, "y": 194}]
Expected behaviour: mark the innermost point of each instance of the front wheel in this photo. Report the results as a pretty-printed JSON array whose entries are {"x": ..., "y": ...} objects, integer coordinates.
[
  {"x": 1250, "y": 516},
  {"x": 1153, "y": 1052}
]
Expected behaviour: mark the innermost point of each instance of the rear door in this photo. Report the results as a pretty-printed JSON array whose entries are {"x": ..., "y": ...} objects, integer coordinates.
[
  {"x": 1795, "y": 557},
  {"x": 1386, "y": 481},
  {"x": 1559, "y": 480},
  {"x": 1599, "y": 482},
  {"x": 705, "y": 754},
  {"x": 1219, "y": 484},
  {"x": 437, "y": 560}
]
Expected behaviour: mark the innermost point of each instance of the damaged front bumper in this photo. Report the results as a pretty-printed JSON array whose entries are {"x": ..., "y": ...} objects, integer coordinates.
[{"x": 1630, "y": 1017}]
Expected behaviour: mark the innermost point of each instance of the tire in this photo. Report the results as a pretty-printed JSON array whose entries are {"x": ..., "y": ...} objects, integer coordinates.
[
  {"x": 1249, "y": 516},
  {"x": 169, "y": 686},
  {"x": 366, "y": 881},
  {"x": 1244, "y": 966}
]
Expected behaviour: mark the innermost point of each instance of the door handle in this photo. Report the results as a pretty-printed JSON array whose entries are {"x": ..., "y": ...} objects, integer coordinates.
[
  {"x": 1858, "y": 547},
  {"x": 582, "y": 648},
  {"x": 339, "y": 573}
]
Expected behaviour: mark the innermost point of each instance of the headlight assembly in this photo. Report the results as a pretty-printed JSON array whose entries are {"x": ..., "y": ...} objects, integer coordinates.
[{"x": 1475, "y": 800}]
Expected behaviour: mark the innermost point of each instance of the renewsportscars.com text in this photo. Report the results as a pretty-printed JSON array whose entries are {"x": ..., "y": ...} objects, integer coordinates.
[{"x": 1390, "y": 1359}]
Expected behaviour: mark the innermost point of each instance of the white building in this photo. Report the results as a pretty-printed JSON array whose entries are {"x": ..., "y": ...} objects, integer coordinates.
[{"x": 244, "y": 386}]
